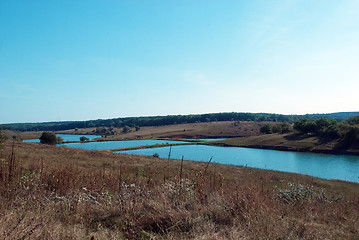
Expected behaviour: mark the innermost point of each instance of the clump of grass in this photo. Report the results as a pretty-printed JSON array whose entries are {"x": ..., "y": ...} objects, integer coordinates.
[{"x": 298, "y": 194}]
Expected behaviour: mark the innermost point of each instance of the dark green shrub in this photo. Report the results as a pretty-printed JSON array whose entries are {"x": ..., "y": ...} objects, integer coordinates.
[
  {"x": 48, "y": 138},
  {"x": 281, "y": 128},
  {"x": 126, "y": 129},
  {"x": 332, "y": 132},
  {"x": 266, "y": 129},
  {"x": 323, "y": 123},
  {"x": 352, "y": 136},
  {"x": 84, "y": 139},
  {"x": 305, "y": 126},
  {"x": 353, "y": 120}
]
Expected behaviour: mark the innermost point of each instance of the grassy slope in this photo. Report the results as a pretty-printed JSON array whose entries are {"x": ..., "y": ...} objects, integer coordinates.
[
  {"x": 290, "y": 142},
  {"x": 24, "y": 135},
  {"x": 63, "y": 193},
  {"x": 213, "y": 129}
]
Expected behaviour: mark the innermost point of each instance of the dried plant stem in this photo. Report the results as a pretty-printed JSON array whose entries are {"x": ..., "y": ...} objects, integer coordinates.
[
  {"x": 181, "y": 169},
  {"x": 11, "y": 162},
  {"x": 204, "y": 172}
]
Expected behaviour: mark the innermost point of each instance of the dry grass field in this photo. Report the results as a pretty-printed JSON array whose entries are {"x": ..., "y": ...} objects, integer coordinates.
[
  {"x": 23, "y": 135},
  {"x": 50, "y": 192},
  {"x": 291, "y": 142},
  {"x": 190, "y": 130}
]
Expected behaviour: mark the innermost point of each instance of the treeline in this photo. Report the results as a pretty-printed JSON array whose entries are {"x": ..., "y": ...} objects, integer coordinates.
[
  {"x": 172, "y": 119},
  {"x": 347, "y": 130},
  {"x": 283, "y": 127}
]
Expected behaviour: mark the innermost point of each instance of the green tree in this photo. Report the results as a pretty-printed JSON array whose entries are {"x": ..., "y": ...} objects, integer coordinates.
[
  {"x": 324, "y": 123},
  {"x": 353, "y": 120},
  {"x": 305, "y": 126},
  {"x": 352, "y": 136},
  {"x": 126, "y": 129},
  {"x": 283, "y": 127},
  {"x": 327, "y": 127},
  {"x": 48, "y": 138},
  {"x": 286, "y": 127},
  {"x": 266, "y": 129}
]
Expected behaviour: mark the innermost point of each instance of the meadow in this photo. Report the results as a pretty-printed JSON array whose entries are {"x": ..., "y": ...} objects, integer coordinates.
[
  {"x": 291, "y": 142},
  {"x": 50, "y": 192}
]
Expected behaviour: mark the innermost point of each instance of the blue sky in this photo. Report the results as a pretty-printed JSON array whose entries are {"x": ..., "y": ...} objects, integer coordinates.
[{"x": 87, "y": 59}]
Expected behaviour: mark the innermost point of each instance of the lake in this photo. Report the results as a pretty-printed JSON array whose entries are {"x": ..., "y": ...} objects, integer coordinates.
[
  {"x": 118, "y": 144},
  {"x": 68, "y": 137},
  {"x": 343, "y": 167}
]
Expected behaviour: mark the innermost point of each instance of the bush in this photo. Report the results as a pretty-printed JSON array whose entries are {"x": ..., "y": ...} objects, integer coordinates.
[
  {"x": 305, "y": 126},
  {"x": 277, "y": 128},
  {"x": 353, "y": 120},
  {"x": 126, "y": 129},
  {"x": 323, "y": 123},
  {"x": 281, "y": 128},
  {"x": 84, "y": 139},
  {"x": 48, "y": 138},
  {"x": 352, "y": 136},
  {"x": 332, "y": 132},
  {"x": 266, "y": 129},
  {"x": 298, "y": 194}
]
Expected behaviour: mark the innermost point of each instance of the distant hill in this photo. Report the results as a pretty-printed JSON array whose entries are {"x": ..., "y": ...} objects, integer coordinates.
[
  {"x": 339, "y": 116},
  {"x": 172, "y": 119}
]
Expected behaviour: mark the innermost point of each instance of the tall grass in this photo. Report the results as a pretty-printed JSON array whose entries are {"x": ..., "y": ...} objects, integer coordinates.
[{"x": 60, "y": 193}]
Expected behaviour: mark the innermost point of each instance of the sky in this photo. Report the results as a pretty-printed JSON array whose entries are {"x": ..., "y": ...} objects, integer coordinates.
[{"x": 97, "y": 59}]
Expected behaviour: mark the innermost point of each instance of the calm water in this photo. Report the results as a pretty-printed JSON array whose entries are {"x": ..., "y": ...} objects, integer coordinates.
[
  {"x": 343, "y": 167},
  {"x": 68, "y": 137},
  {"x": 117, "y": 144}
]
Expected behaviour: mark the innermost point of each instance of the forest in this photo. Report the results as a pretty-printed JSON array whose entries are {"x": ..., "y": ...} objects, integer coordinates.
[{"x": 173, "y": 119}]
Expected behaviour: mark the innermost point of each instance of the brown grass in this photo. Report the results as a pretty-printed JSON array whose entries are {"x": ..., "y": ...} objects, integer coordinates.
[
  {"x": 24, "y": 135},
  {"x": 291, "y": 142},
  {"x": 190, "y": 130},
  {"x": 63, "y": 193}
]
